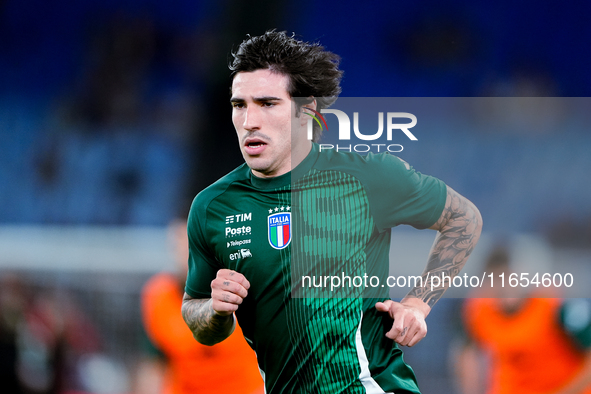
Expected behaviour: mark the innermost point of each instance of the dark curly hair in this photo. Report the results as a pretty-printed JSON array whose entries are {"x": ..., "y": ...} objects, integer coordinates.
[{"x": 311, "y": 70}]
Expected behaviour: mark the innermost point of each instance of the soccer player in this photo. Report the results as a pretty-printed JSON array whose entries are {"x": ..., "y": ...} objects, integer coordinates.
[{"x": 243, "y": 248}]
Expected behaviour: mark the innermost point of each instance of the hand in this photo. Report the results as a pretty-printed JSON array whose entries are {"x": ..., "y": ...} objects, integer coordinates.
[
  {"x": 409, "y": 320},
  {"x": 228, "y": 290}
]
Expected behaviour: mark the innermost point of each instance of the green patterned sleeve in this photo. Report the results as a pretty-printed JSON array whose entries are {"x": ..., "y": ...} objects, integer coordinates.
[
  {"x": 399, "y": 194},
  {"x": 203, "y": 265}
]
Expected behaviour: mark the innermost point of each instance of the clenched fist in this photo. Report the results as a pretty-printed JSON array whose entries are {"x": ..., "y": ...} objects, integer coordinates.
[{"x": 228, "y": 290}]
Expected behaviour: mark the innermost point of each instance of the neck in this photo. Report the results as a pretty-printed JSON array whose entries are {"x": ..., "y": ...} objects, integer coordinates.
[{"x": 300, "y": 152}]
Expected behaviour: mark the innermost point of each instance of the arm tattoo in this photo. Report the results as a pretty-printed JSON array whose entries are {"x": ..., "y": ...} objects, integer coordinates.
[
  {"x": 207, "y": 326},
  {"x": 459, "y": 228}
]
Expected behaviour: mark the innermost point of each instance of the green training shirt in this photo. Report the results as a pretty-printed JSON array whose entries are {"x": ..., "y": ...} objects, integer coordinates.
[{"x": 330, "y": 216}]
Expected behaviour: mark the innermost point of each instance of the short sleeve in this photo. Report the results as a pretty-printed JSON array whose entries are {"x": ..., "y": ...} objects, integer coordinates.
[
  {"x": 203, "y": 266},
  {"x": 399, "y": 194}
]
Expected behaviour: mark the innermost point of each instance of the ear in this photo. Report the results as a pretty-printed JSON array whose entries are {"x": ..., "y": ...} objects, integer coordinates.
[{"x": 312, "y": 105}]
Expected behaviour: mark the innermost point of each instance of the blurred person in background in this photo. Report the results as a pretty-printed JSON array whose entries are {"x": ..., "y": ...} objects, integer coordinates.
[
  {"x": 180, "y": 364},
  {"x": 43, "y": 337},
  {"x": 12, "y": 310},
  {"x": 517, "y": 343}
]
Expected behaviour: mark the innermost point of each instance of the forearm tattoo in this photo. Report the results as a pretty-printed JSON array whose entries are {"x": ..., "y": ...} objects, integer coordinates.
[
  {"x": 459, "y": 230},
  {"x": 207, "y": 326}
]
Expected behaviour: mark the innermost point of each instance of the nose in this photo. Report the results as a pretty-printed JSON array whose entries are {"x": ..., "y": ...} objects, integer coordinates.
[{"x": 252, "y": 118}]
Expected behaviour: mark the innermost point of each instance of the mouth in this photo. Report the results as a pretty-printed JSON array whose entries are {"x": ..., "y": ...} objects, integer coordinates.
[{"x": 254, "y": 146}]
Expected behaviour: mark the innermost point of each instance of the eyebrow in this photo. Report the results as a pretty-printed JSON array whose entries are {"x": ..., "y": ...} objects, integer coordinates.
[{"x": 256, "y": 99}]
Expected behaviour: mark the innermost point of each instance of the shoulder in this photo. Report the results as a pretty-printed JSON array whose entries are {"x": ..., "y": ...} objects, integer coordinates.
[
  {"x": 216, "y": 189},
  {"x": 196, "y": 223},
  {"x": 360, "y": 166}
]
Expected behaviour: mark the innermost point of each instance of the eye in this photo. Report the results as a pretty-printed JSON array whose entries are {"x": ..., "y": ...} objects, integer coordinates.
[
  {"x": 236, "y": 104},
  {"x": 268, "y": 104}
]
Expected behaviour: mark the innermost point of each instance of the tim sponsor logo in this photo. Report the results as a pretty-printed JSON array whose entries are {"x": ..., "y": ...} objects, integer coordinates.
[{"x": 241, "y": 217}]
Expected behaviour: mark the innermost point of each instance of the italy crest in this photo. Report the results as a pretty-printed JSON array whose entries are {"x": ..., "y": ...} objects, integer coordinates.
[{"x": 279, "y": 225}]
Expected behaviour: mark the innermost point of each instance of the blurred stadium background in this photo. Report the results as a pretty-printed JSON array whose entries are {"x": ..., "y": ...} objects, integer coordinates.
[{"x": 113, "y": 115}]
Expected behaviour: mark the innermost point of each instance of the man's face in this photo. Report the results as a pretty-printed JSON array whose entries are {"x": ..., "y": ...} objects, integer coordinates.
[{"x": 262, "y": 115}]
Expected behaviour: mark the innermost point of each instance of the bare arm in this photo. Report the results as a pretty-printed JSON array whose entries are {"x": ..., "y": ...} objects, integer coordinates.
[
  {"x": 207, "y": 326},
  {"x": 459, "y": 229},
  {"x": 211, "y": 320}
]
